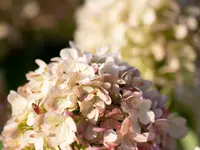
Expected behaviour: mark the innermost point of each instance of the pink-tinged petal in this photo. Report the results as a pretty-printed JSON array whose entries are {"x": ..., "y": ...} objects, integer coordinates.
[
  {"x": 150, "y": 136},
  {"x": 81, "y": 126},
  {"x": 111, "y": 124},
  {"x": 96, "y": 129},
  {"x": 95, "y": 67},
  {"x": 89, "y": 97},
  {"x": 68, "y": 113},
  {"x": 125, "y": 126},
  {"x": 162, "y": 124},
  {"x": 115, "y": 111}
]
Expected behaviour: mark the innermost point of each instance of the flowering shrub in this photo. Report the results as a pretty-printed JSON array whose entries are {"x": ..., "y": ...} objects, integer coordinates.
[
  {"x": 156, "y": 36},
  {"x": 89, "y": 101}
]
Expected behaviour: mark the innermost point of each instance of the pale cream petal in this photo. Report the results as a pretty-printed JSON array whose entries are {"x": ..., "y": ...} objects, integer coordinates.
[
  {"x": 125, "y": 126},
  {"x": 145, "y": 105},
  {"x": 18, "y": 103},
  {"x": 69, "y": 53}
]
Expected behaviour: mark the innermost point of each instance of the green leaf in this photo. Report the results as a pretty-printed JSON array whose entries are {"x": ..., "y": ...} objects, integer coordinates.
[
  {"x": 190, "y": 141},
  {"x": 1, "y": 145}
]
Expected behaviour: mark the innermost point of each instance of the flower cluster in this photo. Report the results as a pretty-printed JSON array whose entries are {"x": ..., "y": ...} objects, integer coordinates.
[
  {"x": 157, "y": 36},
  {"x": 89, "y": 101}
]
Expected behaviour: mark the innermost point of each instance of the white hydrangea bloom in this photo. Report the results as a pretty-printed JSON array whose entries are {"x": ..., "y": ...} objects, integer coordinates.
[
  {"x": 88, "y": 101},
  {"x": 157, "y": 36}
]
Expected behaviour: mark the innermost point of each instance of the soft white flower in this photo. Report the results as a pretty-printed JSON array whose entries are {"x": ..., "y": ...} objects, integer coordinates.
[
  {"x": 88, "y": 101},
  {"x": 18, "y": 103},
  {"x": 150, "y": 34}
]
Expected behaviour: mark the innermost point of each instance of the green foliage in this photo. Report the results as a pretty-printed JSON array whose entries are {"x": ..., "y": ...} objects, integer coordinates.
[{"x": 1, "y": 145}]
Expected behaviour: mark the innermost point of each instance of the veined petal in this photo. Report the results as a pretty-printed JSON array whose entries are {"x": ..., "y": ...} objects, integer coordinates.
[
  {"x": 18, "y": 103},
  {"x": 69, "y": 53},
  {"x": 53, "y": 118},
  {"x": 64, "y": 133},
  {"x": 104, "y": 97}
]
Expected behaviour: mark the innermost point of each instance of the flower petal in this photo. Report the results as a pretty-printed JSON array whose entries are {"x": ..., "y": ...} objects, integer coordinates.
[
  {"x": 110, "y": 136},
  {"x": 18, "y": 103}
]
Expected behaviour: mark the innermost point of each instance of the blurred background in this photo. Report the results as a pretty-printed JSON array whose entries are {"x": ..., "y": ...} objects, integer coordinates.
[{"x": 31, "y": 29}]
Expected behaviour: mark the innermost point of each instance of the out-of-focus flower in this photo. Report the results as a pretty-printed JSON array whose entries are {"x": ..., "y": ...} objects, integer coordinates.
[
  {"x": 197, "y": 148},
  {"x": 157, "y": 36},
  {"x": 34, "y": 18},
  {"x": 89, "y": 101}
]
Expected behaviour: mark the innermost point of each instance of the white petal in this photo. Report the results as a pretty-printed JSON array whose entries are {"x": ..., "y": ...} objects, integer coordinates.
[
  {"x": 39, "y": 143},
  {"x": 146, "y": 117},
  {"x": 30, "y": 120},
  {"x": 146, "y": 104},
  {"x": 53, "y": 119},
  {"x": 17, "y": 102},
  {"x": 151, "y": 116},
  {"x": 144, "y": 137},
  {"x": 110, "y": 136},
  {"x": 69, "y": 53}
]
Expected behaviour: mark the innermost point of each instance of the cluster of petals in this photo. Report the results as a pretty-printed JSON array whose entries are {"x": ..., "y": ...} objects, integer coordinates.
[
  {"x": 83, "y": 101},
  {"x": 158, "y": 31}
]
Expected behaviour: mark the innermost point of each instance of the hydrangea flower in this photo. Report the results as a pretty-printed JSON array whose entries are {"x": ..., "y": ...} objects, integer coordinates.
[
  {"x": 83, "y": 101},
  {"x": 157, "y": 36},
  {"x": 197, "y": 148}
]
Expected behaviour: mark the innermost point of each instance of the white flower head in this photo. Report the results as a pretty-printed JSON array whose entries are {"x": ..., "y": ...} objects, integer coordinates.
[{"x": 90, "y": 101}]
